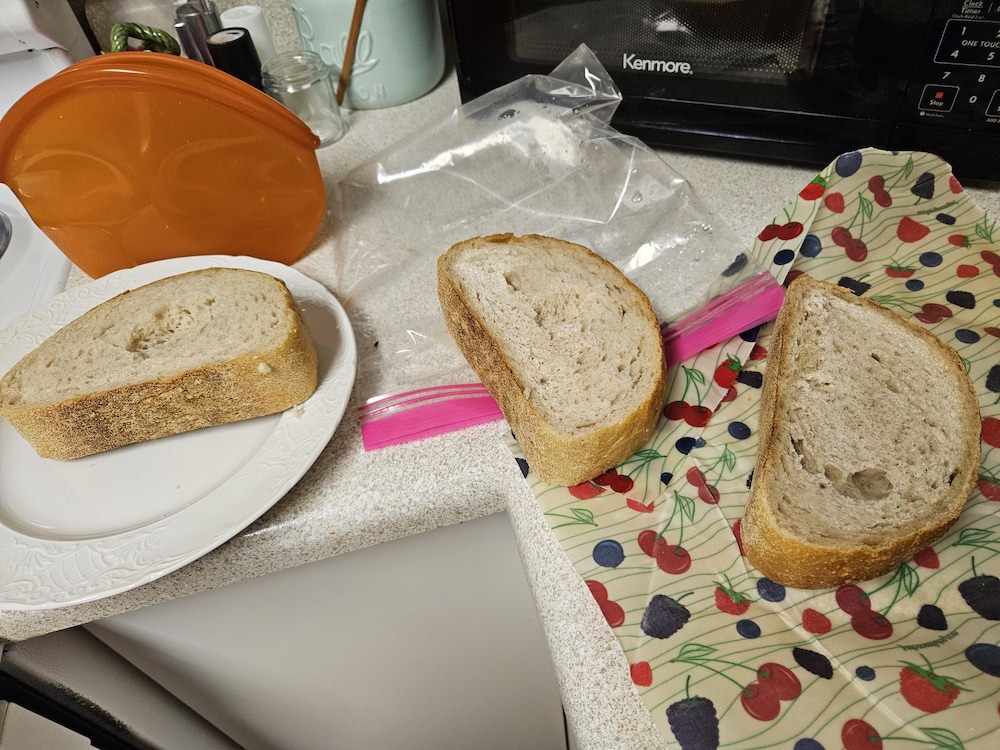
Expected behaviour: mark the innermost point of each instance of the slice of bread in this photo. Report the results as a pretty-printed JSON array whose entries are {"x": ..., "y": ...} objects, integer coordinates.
[
  {"x": 569, "y": 348},
  {"x": 869, "y": 441},
  {"x": 198, "y": 349}
]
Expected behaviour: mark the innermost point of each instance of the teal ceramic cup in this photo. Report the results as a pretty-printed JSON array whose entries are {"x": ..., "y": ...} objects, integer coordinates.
[{"x": 399, "y": 54}]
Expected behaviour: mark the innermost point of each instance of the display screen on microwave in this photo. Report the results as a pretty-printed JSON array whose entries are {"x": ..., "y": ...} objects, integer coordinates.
[{"x": 765, "y": 40}]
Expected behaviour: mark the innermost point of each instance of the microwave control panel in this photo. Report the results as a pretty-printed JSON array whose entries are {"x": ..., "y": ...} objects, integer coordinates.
[{"x": 958, "y": 84}]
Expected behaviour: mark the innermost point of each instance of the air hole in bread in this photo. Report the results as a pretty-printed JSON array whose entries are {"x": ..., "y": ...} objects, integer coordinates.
[
  {"x": 871, "y": 483},
  {"x": 834, "y": 474},
  {"x": 876, "y": 358},
  {"x": 806, "y": 459},
  {"x": 513, "y": 280}
]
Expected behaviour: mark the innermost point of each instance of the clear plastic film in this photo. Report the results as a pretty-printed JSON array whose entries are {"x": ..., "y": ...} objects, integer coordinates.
[{"x": 535, "y": 156}]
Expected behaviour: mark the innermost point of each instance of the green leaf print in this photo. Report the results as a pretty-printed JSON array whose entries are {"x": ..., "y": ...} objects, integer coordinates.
[
  {"x": 943, "y": 738},
  {"x": 686, "y": 505},
  {"x": 985, "y": 229},
  {"x": 577, "y": 516},
  {"x": 975, "y": 538},
  {"x": 694, "y": 652}
]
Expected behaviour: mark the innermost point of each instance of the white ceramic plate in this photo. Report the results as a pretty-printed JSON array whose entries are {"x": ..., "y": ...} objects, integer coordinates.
[{"x": 75, "y": 531}]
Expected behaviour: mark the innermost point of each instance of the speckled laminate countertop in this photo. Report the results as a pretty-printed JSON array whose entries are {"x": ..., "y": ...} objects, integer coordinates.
[{"x": 350, "y": 499}]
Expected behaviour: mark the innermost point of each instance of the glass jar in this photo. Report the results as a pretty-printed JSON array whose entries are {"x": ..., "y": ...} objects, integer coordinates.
[{"x": 303, "y": 83}]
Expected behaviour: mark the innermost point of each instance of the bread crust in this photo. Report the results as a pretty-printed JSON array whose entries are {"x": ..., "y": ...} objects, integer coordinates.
[
  {"x": 557, "y": 458},
  {"x": 260, "y": 383},
  {"x": 795, "y": 562}
]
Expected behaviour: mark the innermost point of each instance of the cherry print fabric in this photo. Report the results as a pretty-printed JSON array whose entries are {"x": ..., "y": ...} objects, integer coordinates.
[{"x": 722, "y": 656}]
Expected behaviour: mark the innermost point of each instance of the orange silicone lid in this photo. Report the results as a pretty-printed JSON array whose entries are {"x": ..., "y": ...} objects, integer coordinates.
[{"x": 135, "y": 156}]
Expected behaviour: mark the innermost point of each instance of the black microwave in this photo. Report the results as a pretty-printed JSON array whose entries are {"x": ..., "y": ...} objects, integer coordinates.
[{"x": 796, "y": 80}]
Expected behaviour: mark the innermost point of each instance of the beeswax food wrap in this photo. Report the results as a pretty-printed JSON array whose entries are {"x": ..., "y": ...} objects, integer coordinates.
[{"x": 724, "y": 657}]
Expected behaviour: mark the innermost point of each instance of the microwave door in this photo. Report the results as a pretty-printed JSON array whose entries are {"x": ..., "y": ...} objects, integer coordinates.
[
  {"x": 795, "y": 79},
  {"x": 728, "y": 39}
]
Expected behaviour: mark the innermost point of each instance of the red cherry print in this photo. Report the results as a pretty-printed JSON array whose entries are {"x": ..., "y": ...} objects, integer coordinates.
[
  {"x": 927, "y": 558},
  {"x": 959, "y": 240},
  {"x": 708, "y": 493},
  {"x": 852, "y": 599},
  {"x": 990, "y": 257},
  {"x": 791, "y": 276},
  {"x": 670, "y": 558},
  {"x": 768, "y": 233},
  {"x": 695, "y": 477},
  {"x": 898, "y": 272},
  {"x": 642, "y": 673},
  {"x": 597, "y": 589},
  {"x": 954, "y": 184},
  {"x": 877, "y": 185},
  {"x": 757, "y": 353},
  {"x": 816, "y": 622},
  {"x": 871, "y": 625},
  {"x": 649, "y": 542},
  {"x": 932, "y": 312},
  {"x": 991, "y": 431},
  {"x": 789, "y": 231},
  {"x": 860, "y": 735},
  {"x": 857, "y": 251},
  {"x": 698, "y": 416},
  {"x": 585, "y": 490},
  {"x": 910, "y": 230},
  {"x": 738, "y": 533},
  {"x": 760, "y": 703},
  {"x": 731, "y": 395},
  {"x": 834, "y": 202},
  {"x": 780, "y": 680},
  {"x": 612, "y": 611},
  {"x": 674, "y": 560},
  {"x": 676, "y": 409},
  {"x": 840, "y": 236},
  {"x": 621, "y": 483},
  {"x": 989, "y": 489},
  {"x": 965, "y": 271},
  {"x": 604, "y": 480}
]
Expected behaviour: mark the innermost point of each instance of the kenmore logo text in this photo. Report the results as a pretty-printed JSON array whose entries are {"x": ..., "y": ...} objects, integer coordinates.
[{"x": 630, "y": 62}]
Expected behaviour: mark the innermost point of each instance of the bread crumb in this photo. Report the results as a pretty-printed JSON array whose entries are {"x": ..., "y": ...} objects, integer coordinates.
[{"x": 263, "y": 368}]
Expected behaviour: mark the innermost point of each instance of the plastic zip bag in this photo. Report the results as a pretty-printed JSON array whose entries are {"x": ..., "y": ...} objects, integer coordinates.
[{"x": 535, "y": 156}]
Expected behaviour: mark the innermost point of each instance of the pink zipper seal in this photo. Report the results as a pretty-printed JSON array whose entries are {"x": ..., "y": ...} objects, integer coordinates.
[{"x": 426, "y": 412}]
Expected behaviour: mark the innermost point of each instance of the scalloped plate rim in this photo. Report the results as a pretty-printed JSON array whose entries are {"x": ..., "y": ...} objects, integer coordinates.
[{"x": 321, "y": 413}]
